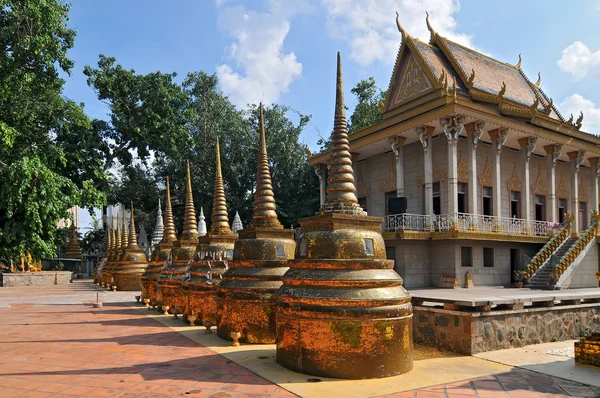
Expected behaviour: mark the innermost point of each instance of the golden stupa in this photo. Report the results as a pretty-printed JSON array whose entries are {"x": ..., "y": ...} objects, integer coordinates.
[{"x": 127, "y": 274}]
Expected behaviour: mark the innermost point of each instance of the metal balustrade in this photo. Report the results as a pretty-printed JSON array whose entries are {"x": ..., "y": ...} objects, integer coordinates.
[{"x": 467, "y": 222}]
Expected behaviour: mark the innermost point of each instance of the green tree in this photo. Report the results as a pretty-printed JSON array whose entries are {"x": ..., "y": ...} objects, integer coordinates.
[
  {"x": 38, "y": 178},
  {"x": 366, "y": 113}
]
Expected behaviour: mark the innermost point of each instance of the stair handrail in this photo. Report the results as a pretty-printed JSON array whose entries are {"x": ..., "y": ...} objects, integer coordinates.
[
  {"x": 550, "y": 247},
  {"x": 580, "y": 244}
]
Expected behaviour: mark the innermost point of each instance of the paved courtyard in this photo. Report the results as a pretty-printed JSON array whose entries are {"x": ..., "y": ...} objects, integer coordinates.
[{"x": 54, "y": 344}]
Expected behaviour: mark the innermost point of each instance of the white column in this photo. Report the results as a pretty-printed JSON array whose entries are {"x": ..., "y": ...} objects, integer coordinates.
[
  {"x": 424, "y": 134},
  {"x": 452, "y": 127},
  {"x": 498, "y": 137},
  {"x": 577, "y": 158},
  {"x": 595, "y": 170},
  {"x": 320, "y": 172},
  {"x": 475, "y": 133},
  {"x": 553, "y": 152},
  {"x": 527, "y": 147},
  {"x": 397, "y": 144}
]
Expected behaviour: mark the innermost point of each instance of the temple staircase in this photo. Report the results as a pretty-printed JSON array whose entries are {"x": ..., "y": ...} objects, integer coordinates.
[{"x": 557, "y": 260}]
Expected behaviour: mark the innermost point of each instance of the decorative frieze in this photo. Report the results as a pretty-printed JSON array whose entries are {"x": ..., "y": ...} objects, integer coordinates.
[
  {"x": 390, "y": 181},
  {"x": 438, "y": 176},
  {"x": 582, "y": 193},
  {"x": 514, "y": 183},
  {"x": 540, "y": 187},
  {"x": 485, "y": 179},
  {"x": 463, "y": 169},
  {"x": 562, "y": 191}
]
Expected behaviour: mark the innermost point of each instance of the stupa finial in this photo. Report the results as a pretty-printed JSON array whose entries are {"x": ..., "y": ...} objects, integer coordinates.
[
  {"x": 159, "y": 227},
  {"x": 236, "y": 225},
  {"x": 133, "y": 243},
  {"x": 264, "y": 199},
  {"x": 108, "y": 240},
  {"x": 118, "y": 238},
  {"x": 190, "y": 230},
  {"x": 124, "y": 237},
  {"x": 169, "y": 233},
  {"x": 113, "y": 237},
  {"x": 219, "y": 218},
  {"x": 341, "y": 192}
]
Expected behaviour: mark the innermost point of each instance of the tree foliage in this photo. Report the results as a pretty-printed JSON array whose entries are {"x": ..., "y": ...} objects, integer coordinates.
[{"x": 39, "y": 177}]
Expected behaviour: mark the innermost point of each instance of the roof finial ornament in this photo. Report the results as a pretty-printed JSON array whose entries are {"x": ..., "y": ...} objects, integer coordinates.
[
  {"x": 570, "y": 121},
  {"x": 430, "y": 28},
  {"x": 400, "y": 28},
  {"x": 471, "y": 78},
  {"x": 579, "y": 121},
  {"x": 502, "y": 90},
  {"x": 518, "y": 65},
  {"x": 539, "y": 80}
]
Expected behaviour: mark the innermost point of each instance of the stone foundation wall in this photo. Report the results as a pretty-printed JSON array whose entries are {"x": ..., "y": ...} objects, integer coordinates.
[
  {"x": 43, "y": 278},
  {"x": 471, "y": 333}
]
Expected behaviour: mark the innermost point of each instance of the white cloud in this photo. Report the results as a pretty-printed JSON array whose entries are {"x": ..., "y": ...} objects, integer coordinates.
[
  {"x": 591, "y": 113},
  {"x": 578, "y": 60},
  {"x": 261, "y": 69},
  {"x": 370, "y": 27}
]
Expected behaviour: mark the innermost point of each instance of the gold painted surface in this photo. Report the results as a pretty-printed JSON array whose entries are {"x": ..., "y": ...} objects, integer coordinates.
[
  {"x": 587, "y": 351},
  {"x": 127, "y": 274}
]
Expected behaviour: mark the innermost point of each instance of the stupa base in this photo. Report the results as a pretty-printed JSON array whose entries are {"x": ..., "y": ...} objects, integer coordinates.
[
  {"x": 204, "y": 304},
  {"x": 344, "y": 348},
  {"x": 172, "y": 295},
  {"x": 127, "y": 281},
  {"x": 149, "y": 289},
  {"x": 253, "y": 318}
]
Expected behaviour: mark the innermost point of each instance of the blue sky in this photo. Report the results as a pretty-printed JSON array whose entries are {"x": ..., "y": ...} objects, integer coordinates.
[{"x": 284, "y": 51}]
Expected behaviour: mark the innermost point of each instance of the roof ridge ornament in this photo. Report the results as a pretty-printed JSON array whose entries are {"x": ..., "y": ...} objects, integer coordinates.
[
  {"x": 518, "y": 65},
  {"x": 430, "y": 28},
  {"x": 539, "y": 80},
  {"x": 400, "y": 28},
  {"x": 502, "y": 90},
  {"x": 471, "y": 78},
  {"x": 579, "y": 121}
]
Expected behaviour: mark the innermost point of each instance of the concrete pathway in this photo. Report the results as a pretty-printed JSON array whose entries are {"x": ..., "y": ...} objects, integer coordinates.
[{"x": 54, "y": 344}]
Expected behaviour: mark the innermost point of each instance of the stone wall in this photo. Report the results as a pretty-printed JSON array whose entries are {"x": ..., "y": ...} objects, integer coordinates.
[
  {"x": 43, "y": 278},
  {"x": 473, "y": 332},
  {"x": 585, "y": 273}
]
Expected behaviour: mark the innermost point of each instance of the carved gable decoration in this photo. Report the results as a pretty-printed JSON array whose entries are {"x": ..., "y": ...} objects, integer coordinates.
[
  {"x": 514, "y": 184},
  {"x": 540, "y": 187},
  {"x": 582, "y": 194},
  {"x": 362, "y": 188},
  {"x": 413, "y": 81},
  {"x": 485, "y": 180},
  {"x": 390, "y": 182},
  {"x": 562, "y": 191},
  {"x": 463, "y": 170},
  {"x": 437, "y": 176}
]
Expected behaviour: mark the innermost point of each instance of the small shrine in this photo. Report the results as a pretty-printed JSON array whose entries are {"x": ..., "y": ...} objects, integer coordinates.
[
  {"x": 161, "y": 252},
  {"x": 246, "y": 296},
  {"x": 212, "y": 254},
  {"x": 182, "y": 254},
  {"x": 127, "y": 275},
  {"x": 342, "y": 311}
]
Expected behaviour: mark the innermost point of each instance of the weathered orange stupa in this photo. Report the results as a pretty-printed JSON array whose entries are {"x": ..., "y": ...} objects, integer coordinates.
[
  {"x": 114, "y": 256},
  {"x": 73, "y": 250},
  {"x": 127, "y": 275},
  {"x": 342, "y": 311},
  {"x": 182, "y": 254},
  {"x": 159, "y": 256},
  {"x": 246, "y": 296},
  {"x": 212, "y": 254}
]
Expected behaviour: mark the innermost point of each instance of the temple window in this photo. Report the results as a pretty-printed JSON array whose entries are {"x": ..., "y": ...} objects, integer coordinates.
[
  {"x": 562, "y": 208},
  {"x": 515, "y": 201},
  {"x": 363, "y": 202},
  {"x": 540, "y": 205},
  {"x": 488, "y": 256},
  {"x": 466, "y": 256},
  {"x": 462, "y": 189},
  {"x": 437, "y": 198},
  {"x": 388, "y": 196},
  {"x": 369, "y": 247},
  {"x": 487, "y": 201}
]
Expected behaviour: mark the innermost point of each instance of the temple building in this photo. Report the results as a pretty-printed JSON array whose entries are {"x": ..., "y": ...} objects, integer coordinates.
[{"x": 474, "y": 169}]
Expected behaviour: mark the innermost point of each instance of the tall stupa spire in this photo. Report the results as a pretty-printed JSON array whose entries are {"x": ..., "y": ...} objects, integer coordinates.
[
  {"x": 108, "y": 240},
  {"x": 124, "y": 237},
  {"x": 118, "y": 238},
  {"x": 133, "y": 243},
  {"x": 169, "y": 233},
  {"x": 190, "y": 229},
  {"x": 159, "y": 227},
  {"x": 219, "y": 218},
  {"x": 341, "y": 192},
  {"x": 264, "y": 200},
  {"x": 113, "y": 237}
]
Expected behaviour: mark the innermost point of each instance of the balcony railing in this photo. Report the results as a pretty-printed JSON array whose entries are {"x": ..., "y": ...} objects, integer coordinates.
[{"x": 466, "y": 222}]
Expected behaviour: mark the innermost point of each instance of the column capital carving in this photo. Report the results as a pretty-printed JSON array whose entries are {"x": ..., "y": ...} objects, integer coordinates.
[
  {"x": 577, "y": 157},
  {"x": 424, "y": 132},
  {"x": 554, "y": 150},
  {"x": 453, "y": 127},
  {"x": 318, "y": 168},
  {"x": 528, "y": 143},
  {"x": 396, "y": 142},
  {"x": 500, "y": 135},
  {"x": 594, "y": 162},
  {"x": 475, "y": 129}
]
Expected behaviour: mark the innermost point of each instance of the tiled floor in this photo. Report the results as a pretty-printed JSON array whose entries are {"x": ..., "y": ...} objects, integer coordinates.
[{"x": 60, "y": 347}]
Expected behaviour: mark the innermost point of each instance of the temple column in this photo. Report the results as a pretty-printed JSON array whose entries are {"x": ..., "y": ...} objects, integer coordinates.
[
  {"x": 452, "y": 127},
  {"x": 527, "y": 145},
  {"x": 475, "y": 131},
  {"x": 576, "y": 158},
  {"x": 424, "y": 133},
  {"x": 498, "y": 137},
  {"x": 553, "y": 152},
  {"x": 397, "y": 144},
  {"x": 320, "y": 172},
  {"x": 595, "y": 171}
]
